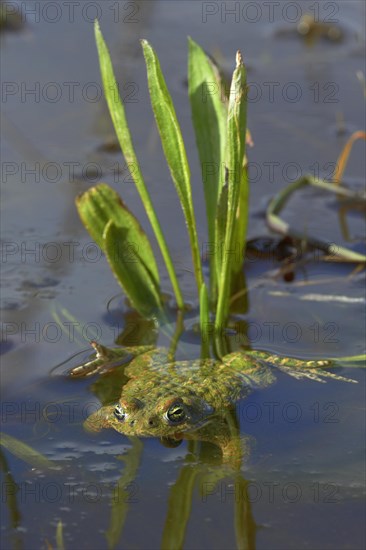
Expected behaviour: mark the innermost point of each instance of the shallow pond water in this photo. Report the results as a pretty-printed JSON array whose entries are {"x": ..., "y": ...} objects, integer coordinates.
[{"x": 301, "y": 481}]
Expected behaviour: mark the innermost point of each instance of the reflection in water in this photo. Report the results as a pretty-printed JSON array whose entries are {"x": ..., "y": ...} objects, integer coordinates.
[
  {"x": 193, "y": 476},
  {"x": 123, "y": 493},
  {"x": 11, "y": 18},
  {"x": 11, "y": 490}
]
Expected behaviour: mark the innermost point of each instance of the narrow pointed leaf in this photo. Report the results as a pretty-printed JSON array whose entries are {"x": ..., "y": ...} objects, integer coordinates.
[
  {"x": 130, "y": 270},
  {"x": 117, "y": 112},
  {"x": 209, "y": 112},
  {"x": 173, "y": 146},
  {"x": 234, "y": 160}
]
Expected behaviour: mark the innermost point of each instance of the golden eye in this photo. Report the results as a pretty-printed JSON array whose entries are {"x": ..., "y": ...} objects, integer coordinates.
[
  {"x": 176, "y": 413},
  {"x": 119, "y": 412}
]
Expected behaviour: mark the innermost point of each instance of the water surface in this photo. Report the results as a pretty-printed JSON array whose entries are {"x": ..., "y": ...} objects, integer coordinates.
[{"x": 302, "y": 482}]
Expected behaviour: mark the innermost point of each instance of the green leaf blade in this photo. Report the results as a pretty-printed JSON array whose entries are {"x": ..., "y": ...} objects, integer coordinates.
[
  {"x": 131, "y": 272},
  {"x": 241, "y": 223},
  {"x": 167, "y": 122},
  {"x": 102, "y": 204},
  {"x": 115, "y": 105},
  {"x": 209, "y": 113},
  {"x": 173, "y": 147},
  {"x": 220, "y": 229},
  {"x": 234, "y": 161},
  {"x": 118, "y": 116},
  {"x": 209, "y": 120},
  {"x": 125, "y": 244}
]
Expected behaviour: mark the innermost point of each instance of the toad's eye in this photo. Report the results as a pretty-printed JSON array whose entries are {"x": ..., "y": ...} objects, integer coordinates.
[
  {"x": 176, "y": 413},
  {"x": 119, "y": 412}
]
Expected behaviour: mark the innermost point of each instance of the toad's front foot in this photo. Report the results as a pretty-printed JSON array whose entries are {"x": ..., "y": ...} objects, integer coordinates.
[{"x": 106, "y": 358}]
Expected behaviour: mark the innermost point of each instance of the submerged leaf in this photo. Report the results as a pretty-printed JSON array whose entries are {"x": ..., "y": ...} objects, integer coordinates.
[
  {"x": 25, "y": 452},
  {"x": 59, "y": 536}
]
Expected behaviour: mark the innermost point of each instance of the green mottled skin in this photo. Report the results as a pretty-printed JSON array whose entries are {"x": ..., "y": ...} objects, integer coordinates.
[{"x": 201, "y": 389}]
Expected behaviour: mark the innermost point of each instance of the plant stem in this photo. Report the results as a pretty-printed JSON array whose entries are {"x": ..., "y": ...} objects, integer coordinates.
[{"x": 204, "y": 322}]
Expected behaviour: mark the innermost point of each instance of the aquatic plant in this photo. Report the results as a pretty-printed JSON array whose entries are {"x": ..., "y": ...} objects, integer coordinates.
[
  {"x": 219, "y": 121},
  {"x": 220, "y": 128}
]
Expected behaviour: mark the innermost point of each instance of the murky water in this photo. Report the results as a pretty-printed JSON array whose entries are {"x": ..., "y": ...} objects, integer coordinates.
[{"x": 301, "y": 483}]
